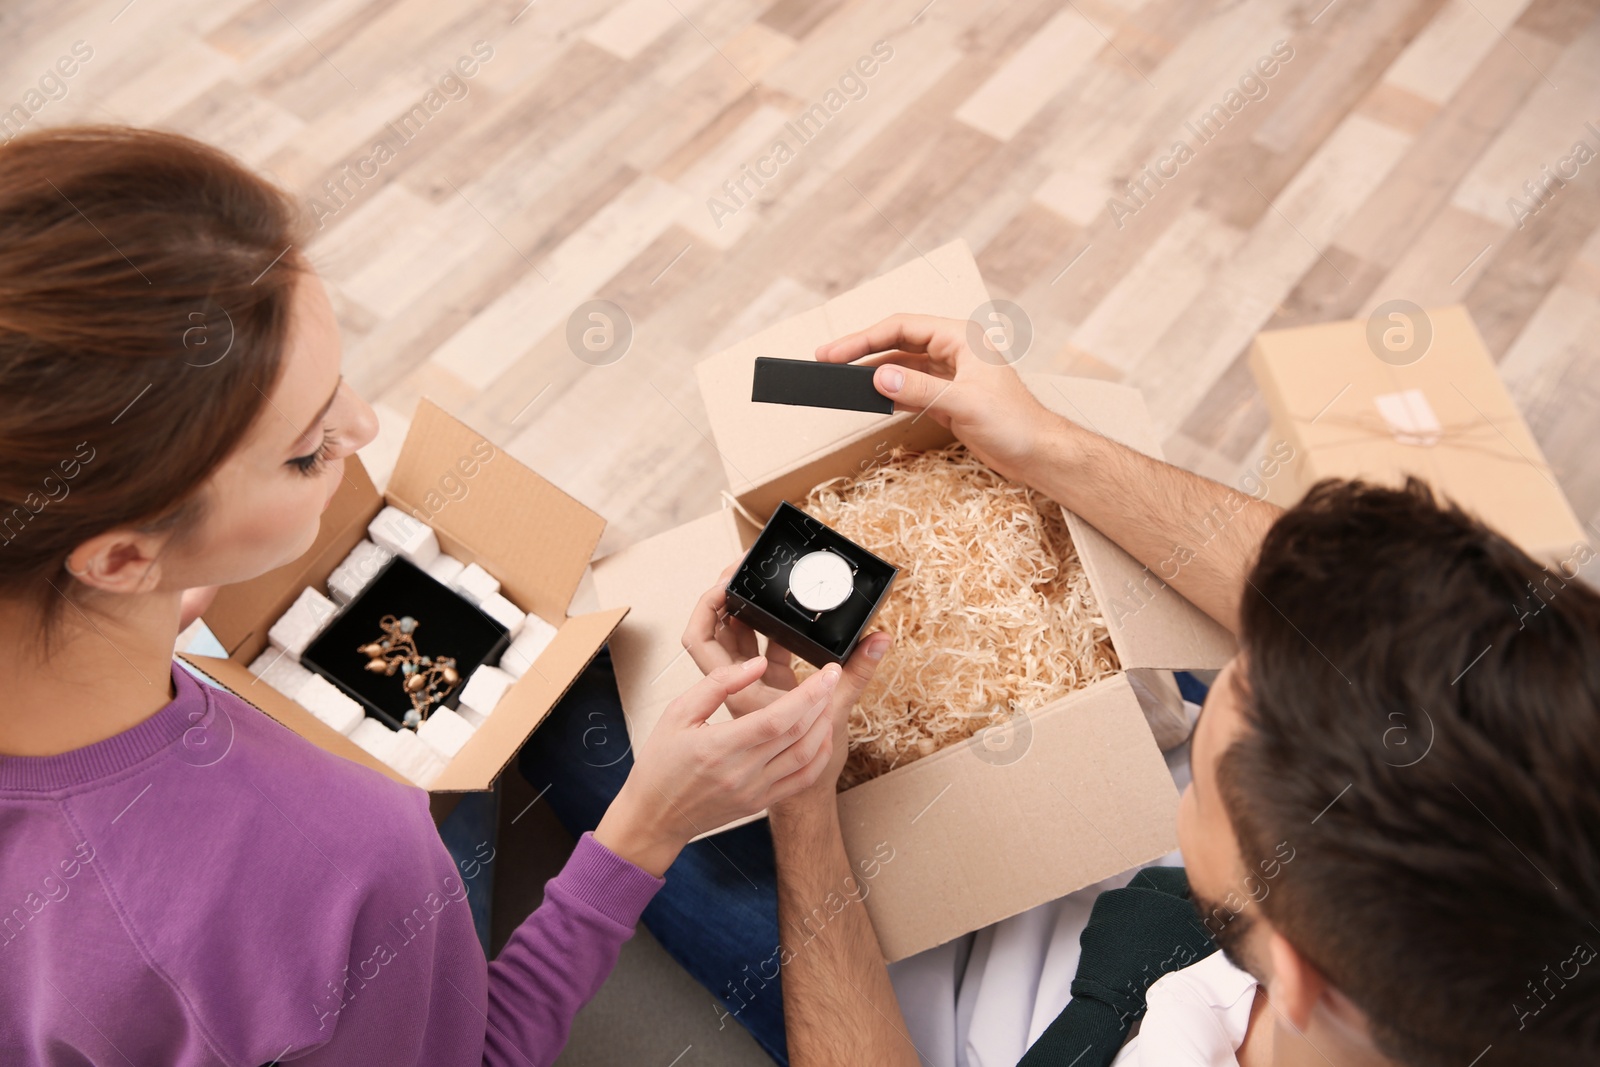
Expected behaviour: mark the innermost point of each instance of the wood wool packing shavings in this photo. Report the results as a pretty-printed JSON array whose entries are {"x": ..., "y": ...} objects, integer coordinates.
[{"x": 992, "y": 614}]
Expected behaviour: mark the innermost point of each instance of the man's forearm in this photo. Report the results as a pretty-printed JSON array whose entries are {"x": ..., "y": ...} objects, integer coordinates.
[
  {"x": 838, "y": 1006},
  {"x": 1197, "y": 535}
]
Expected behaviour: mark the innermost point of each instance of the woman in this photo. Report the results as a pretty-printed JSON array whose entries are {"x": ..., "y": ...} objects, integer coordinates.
[{"x": 185, "y": 882}]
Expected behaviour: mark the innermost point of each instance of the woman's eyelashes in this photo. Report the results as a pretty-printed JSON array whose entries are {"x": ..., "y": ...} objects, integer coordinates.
[{"x": 312, "y": 463}]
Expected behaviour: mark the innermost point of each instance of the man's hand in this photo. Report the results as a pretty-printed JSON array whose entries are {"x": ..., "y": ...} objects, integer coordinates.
[
  {"x": 1192, "y": 533},
  {"x": 926, "y": 364},
  {"x": 838, "y": 1005},
  {"x": 715, "y": 640}
]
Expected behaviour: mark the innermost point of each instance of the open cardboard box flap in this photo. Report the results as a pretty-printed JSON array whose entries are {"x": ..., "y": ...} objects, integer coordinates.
[
  {"x": 519, "y": 527},
  {"x": 486, "y": 507},
  {"x": 758, "y": 441}
]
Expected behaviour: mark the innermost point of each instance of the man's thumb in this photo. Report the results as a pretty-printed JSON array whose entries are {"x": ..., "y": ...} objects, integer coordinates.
[
  {"x": 862, "y": 665},
  {"x": 911, "y": 390}
]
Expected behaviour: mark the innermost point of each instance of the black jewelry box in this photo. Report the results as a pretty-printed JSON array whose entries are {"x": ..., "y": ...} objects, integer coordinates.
[
  {"x": 447, "y": 625},
  {"x": 760, "y": 594}
]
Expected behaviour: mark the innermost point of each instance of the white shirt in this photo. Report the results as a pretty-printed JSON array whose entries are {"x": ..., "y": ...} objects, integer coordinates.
[
  {"x": 982, "y": 999},
  {"x": 1196, "y": 1017}
]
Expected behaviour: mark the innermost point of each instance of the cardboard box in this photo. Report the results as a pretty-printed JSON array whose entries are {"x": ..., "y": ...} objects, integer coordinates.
[
  {"x": 486, "y": 508},
  {"x": 975, "y": 838},
  {"x": 1446, "y": 417}
]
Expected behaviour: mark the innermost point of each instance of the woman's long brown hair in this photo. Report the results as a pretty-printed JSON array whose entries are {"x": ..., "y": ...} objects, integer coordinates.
[{"x": 145, "y": 286}]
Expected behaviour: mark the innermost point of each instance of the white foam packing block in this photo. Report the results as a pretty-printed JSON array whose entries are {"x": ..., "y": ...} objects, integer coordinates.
[
  {"x": 404, "y": 536},
  {"x": 305, "y": 618},
  {"x": 280, "y": 670},
  {"x": 475, "y": 583},
  {"x": 330, "y": 704},
  {"x": 445, "y": 732},
  {"x": 535, "y": 637},
  {"x": 377, "y": 739},
  {"x": 445, "y": 568},
  {"x": 414, "y": 759},
  {"x": 357, "y": 570},
  {"x": 485, "y": 688},
  {"x": 504, "y": 612},
  {"x": 474, "y": 719}
]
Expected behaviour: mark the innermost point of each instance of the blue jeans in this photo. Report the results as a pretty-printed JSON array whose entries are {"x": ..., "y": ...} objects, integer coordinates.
[{"x": 718, "y": 913}]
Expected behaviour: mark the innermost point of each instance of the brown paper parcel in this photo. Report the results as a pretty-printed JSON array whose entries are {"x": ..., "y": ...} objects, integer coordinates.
[
  {"x": 495, "y": 512},
  {"x": 974, "y": 839},
  {"x": 1446, "y": 418}
]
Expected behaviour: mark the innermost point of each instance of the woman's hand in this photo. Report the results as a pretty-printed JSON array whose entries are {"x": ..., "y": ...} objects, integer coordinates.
[
  {"x": 692, "y": 776},
  {"x": 713, "y": 638},
  {"x": 927, "y": 364}
]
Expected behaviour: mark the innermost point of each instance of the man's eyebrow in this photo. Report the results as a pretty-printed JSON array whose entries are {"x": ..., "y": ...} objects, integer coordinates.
[{"x": 326, "y": 407}]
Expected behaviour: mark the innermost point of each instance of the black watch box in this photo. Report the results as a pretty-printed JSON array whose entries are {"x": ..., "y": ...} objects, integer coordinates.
[
  {"x": 758, "y": 594},
  {"x": 447, "y": 625}
]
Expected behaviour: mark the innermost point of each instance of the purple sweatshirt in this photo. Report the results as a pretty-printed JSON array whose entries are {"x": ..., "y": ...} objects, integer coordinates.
[{"x": 210, "y": 888}]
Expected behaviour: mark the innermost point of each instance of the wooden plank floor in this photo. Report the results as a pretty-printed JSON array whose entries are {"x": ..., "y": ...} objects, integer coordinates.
[{"x": 587, "y": 154}]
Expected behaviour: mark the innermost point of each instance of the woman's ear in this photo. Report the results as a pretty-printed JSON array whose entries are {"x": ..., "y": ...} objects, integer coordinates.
[{"x": 123, "y": 561}]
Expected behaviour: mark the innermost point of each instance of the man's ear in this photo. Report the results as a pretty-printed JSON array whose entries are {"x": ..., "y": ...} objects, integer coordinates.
[
  {"x": 1297, "y": 986},
  {"x": 1299, "y": 991},
  {"x": 124, "y": 561}
]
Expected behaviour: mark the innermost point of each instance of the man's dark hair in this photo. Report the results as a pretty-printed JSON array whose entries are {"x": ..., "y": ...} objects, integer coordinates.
[{"x": 1422, "y": 702}]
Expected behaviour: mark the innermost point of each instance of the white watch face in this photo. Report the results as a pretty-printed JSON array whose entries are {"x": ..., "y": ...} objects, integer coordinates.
[{"x": 821, "y": 580}]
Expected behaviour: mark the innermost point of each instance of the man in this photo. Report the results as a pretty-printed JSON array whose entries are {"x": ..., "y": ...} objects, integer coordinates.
[{"x": 1414, "y": 714}]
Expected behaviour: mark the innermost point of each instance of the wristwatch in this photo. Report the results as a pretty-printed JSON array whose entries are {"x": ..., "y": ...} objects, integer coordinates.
[{"x": 819, "y": 582}]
